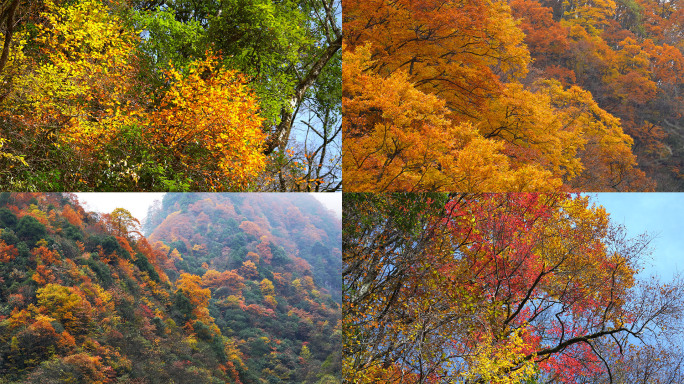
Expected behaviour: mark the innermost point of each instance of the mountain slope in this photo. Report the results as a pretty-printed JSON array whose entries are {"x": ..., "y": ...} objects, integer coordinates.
[
  {"x": 85, "y": 298},
  {"x": 272, "y": 263}
]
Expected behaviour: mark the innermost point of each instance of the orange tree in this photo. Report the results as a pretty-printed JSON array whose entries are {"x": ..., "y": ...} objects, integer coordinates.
[{"x": 628, "y": 55}]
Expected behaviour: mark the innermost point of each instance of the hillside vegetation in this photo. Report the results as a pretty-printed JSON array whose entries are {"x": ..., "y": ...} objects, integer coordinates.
[{"x": 86, "y": 298}]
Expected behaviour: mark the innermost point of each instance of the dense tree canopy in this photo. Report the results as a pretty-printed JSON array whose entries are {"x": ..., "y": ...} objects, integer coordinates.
[
  {"x": 495, "y": 95},
  {"x": 504, "y": 288},
  {"x": 170, "y": 95},
  {"x": 628, "y": 54}
]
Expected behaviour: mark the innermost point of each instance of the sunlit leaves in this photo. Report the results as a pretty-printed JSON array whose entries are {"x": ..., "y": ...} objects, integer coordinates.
[
  {"x": 494, "y": 361},
  {"x": 89, "y": 103},
  {"x": 211, "y": 111},
  {"x": 399, "y": 138},
  {"x": 85, "y": 76},
  {"x": 431, "y": 106}
]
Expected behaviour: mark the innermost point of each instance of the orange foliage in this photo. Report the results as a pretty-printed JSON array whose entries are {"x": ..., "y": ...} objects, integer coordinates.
[
  {"x": 278, "y": 278},
  {"x": 126, "y": 267},
  {"x": 543, "y": 35},
  {"x": 264, "y": 249},
  {"x": 259, "y": 310},
  {"x": 89, "y": 367},
  {"x": 199, "y": 297},
  {"x": 146, "y": 249},
  {"x": 22, "y": 198},
  {"x": 430, "y": 107},
  {"x": 7, "y": 252},
  {"x": 251, "y": 228},
  {"x": 45, "y": 255},
  {"x": 253, "y": 257},
  {"x": 624, "y": 54},
  {"x": 161, "y": 247},
  {"x": 400, "y": 138},
  {"x": 230, "y": 279},
  {"x": 66, "y": 341},
  {"x": 19, "y": 317},
  {"x": 212, "y": 109},
  {"x": 248, "y": 269},
  {"x": 125, "y": 245},
  {"x": 43, "y": 275},
  {"x": 463, "y": 65},
  {"x": 175, "y": 255},
  {"x": 270, "y": 301},
  {"x": 72, "y": 216},
  {"x": 301, "y": 265}
]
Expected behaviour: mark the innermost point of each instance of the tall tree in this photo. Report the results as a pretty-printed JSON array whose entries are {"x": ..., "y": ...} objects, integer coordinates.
[{"x": 500, "y": 287}]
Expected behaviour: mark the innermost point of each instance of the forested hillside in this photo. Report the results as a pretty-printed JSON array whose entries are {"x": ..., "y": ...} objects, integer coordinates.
[
  {"x": 170, "y": 95},
  {"x": 86, "y": 298},
  {"x": 273, "y": 265},
  {"x": 493, "y": 95},
  {"x": 628, "y": 54}
]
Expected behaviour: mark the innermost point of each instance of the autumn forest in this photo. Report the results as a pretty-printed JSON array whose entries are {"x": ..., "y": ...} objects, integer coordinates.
[
  {"x": 474, "y": 141},
  {"x": 170, "y": 95},
  {"x": 515, "y": 95},
  {"x": 211, "y": 288}
]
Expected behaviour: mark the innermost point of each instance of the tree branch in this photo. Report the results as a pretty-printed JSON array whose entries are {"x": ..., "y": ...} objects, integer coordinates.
[{"x": 279, "y": 137}]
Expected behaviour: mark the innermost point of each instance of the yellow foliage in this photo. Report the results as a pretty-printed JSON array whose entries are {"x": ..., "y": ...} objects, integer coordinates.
[
  {"x": 266, "y": 287},
  {"x": 84, "y": 79},
  {"x": 499, "y": 362},
  {"x": 9, "y": 156}
]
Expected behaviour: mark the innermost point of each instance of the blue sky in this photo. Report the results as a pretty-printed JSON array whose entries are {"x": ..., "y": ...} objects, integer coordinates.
[{"x": 659, "y": 214}]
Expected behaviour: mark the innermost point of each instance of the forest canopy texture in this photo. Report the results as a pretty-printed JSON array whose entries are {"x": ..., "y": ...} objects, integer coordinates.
[
  {"x": 513, "y": 95},
  {"x": 502, "y": 288},
  {"x": 169, "y": 95},
  {"x": 219, "y": 292}
]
